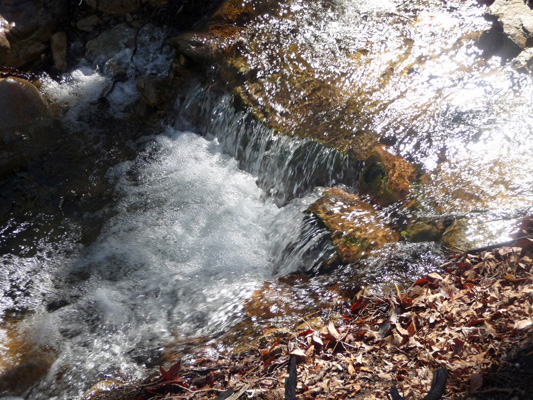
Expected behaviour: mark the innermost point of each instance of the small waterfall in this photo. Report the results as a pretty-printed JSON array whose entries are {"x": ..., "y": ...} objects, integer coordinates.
[{"x": 286, "y": 167}]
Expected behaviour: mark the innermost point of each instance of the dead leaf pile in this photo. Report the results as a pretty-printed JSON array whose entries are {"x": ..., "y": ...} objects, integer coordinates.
[{"x": 471, "y": 319}]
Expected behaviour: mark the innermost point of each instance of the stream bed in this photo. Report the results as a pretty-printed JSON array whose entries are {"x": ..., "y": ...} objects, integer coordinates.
[{"x": 128, "y": 239}]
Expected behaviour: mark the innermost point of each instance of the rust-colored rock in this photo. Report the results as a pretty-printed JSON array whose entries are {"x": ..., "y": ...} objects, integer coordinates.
[
  {"x": 356, "y": 228},
  {"x": 386, "y": 177},
  {"x": 22, "y": 362}
]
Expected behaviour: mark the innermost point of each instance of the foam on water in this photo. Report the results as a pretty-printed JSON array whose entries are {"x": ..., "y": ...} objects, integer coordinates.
[{"x": 190, "y": 240}]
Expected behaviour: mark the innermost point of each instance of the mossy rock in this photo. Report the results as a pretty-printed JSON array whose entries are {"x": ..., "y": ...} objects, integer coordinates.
[
  {"x": 386, "y": 177},
  {"x": 423, "y": 232},
  {"x": 356, "y": 228}
]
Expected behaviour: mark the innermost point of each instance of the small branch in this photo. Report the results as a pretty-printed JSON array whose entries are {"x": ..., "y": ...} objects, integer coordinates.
[
  {"x": 197, "y": 391},
  {"x": 497, "y": 245}
]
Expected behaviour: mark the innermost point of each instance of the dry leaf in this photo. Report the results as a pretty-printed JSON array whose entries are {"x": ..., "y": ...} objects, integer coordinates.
[
  {"x": 333, "y": 331},
  {"x": 476, "y": 381},
  {"x": 524, "y": 324}
]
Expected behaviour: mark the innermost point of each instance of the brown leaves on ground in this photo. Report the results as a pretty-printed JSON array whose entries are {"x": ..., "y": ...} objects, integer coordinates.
[{"x": 470, "y": 319}]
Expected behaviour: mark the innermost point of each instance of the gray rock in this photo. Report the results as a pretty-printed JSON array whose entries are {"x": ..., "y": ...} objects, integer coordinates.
[
  {"x": 88, "y": 24},
  {"x": 112, "y": 46},
  {"x": 59, "y": 48},
  {"x": 115, "y": 7},
  {"x": 516, "y": 19}
]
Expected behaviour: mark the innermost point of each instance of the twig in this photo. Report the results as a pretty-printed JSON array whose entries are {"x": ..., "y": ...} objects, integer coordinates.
[
  {"x": 497, "y": 245},
  {"x": 197, "y": 391}
]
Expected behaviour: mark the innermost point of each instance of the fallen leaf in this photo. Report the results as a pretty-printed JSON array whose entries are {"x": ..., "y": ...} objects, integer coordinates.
[
  {"x": 523, "y": 324},
  {"x": 476, "y": 381},
  {"x": 333, "y": 331}
]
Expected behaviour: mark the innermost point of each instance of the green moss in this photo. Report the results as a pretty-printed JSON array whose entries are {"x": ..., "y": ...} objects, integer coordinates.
[{"x": 357, "y": 242}]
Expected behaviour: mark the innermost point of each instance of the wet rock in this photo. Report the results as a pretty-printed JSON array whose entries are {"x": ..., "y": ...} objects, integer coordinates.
[
  {"x": 199, "y": 48},
  {"x": 59, "y": 47},
  {"x": 153, "y": 90},
  {"x": 423, "y": 232},
  {"x": 88, "y": 24},
  {"x": 115, "y": 7},
  {"x": 356, "y": 228},
  {"x": 386, "y": 177},
  {"x": 516, "y": 19},
  {"x": 472, "y": 232},
  {"x": 111, "y": 46},
  {"x": 22, "y": 362},
  {"x": 27, "y": 29},
  {"x": 28, "y": 128},
  {"x": 101, "y": 389}
]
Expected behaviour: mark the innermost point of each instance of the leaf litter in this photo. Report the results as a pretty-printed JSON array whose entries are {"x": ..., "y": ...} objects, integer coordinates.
[{"x": 473, "y": 318}]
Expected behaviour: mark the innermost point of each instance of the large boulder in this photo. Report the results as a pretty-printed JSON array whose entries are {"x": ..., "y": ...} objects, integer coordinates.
[
  {"x": 356, "y": 228},
  {"x": 511, "y": 36},
  {"x": 28, "y": 128},
  {"x": 23, "y": 362},
  {"x": 26, "y": 28}
]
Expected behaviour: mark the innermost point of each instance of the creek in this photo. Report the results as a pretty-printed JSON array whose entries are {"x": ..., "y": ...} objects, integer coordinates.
[{"x": 121, "y": 245}]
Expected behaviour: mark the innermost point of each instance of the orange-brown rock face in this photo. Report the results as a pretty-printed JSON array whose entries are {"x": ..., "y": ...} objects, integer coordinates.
[
  {"x": 22, "y": 362},
  {"x": 356, "y": 228},
  {"x": 387, "y": 177}
]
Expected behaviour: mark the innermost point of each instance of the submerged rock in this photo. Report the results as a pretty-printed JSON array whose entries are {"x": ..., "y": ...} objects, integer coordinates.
[
  {"x": 116, "y": 7},
  {"x": 111, "y": 44},
  {"x": 386, "y": 177},
  {"x": 356, "y": 228}
]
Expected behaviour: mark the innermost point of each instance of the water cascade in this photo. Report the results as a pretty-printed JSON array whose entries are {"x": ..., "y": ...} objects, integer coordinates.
[{"x": 129, "y": 243}]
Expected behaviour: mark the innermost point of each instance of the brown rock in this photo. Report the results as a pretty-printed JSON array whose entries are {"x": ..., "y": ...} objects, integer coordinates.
[
  {"x": 27, "y": 29},
  {"x": 27, "y": 126},
  {"x": 21, "y": 104},
  {"x": 386, "y": 177},
  {"x": 201, "y": 48},
  {"x": 356, "y": 228},
  {"x": 59, "y": 47},
  {"x": 153, "y": 90},
  {"x": 22, "y": 362}
]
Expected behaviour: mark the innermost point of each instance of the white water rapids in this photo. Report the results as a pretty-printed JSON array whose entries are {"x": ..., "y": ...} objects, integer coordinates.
[
  {"x": 213, "y": 204},
  {"x": 187, "y": 245}
]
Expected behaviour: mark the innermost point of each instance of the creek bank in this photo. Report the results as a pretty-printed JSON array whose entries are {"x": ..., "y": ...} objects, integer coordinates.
[{"x": 473, "y": 319}]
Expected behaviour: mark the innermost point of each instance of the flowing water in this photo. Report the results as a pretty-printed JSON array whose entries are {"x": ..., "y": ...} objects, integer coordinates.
[{"x": 147, "y": 239}]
